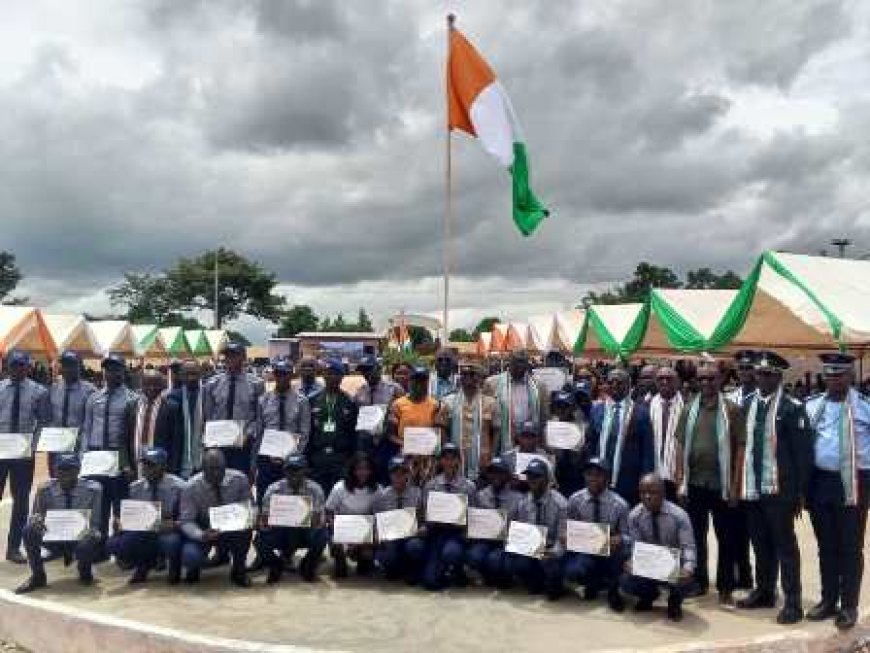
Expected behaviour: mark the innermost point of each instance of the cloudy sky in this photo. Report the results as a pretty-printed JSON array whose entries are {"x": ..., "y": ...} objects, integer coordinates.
[{"x": 308, "y": 135}]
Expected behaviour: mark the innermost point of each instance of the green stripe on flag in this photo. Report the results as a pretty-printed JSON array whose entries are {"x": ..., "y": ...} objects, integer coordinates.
[{"x": 528, "y": 210}]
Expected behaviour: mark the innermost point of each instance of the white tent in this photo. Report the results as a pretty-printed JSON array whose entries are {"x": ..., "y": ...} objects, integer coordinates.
[
  {"x": 484, "y": 339},
  {"x": 23, "y": 327},
  {"x": 147, "y": 342},
  {"x": 542, "y": 333},
  {"x": 618, "y": 329},
  {"x": 70, "y": 332},
  {"x": 517, "y": 336},
  {"x": 568, "y": 326},
  {"x": 112, "y": 336}
]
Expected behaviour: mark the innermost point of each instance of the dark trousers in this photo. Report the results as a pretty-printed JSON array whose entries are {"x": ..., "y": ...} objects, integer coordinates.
[
  {"x": 20, "y": 475},
  {"x": 142, "y": 549},
  {"x": 384, "y": 450},
  {"x": 238, "y": 458},
  {"x": 545, "y": 575},
  {"x": 771, "y": 528},
  {"x": 84, "y": 551},
  {"x": 490, "y": 561},
  {"x": 647, "y": 589},
  {"x": 236, "y": 543},
  {"x": 268, "y": 472},
  {"x": 276, "y": 538},
  {"x": 597, "y": 572},
  {"x": 402, "y": 557},
  {"x": 445, "y": 552},
  {"x": 840, "y": 532},
  {"x": 701, "y": 504},
  {"x": 115, "y": 489}
]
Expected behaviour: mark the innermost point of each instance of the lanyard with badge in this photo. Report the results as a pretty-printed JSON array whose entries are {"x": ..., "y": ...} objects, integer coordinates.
[{"x": 329, "y": 424}]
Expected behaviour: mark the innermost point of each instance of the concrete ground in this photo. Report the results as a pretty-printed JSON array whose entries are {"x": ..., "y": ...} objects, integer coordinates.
[{"x": 373, "y": 615}]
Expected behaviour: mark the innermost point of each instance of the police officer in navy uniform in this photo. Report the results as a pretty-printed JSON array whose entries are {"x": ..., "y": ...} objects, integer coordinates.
[
  {"x": 24, "y": 408},
  {"x": 775, "y": 470},
  {"x": 838, "y": 492},
  {"x": 68, "y": 396}
]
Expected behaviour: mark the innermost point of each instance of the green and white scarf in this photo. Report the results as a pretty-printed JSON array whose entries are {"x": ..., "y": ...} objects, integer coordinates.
[
  {"x": 607, "y": 425},
  {"x": 769, "y": 469},
  {"x": 504, "y": 394},
  {"x": 723, "y": 441},
  {"x": 848, "y": 450},
  {"x": 471, "y": 464}
]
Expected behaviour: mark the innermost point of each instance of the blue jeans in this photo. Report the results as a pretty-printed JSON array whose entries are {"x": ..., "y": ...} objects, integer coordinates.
[
  {"x": 596, "y": 572},
  {"x": 401, "y": 557},
  {"x": 84, "y": 551},
  {"x": 537, "y": 575},
  {"x": 236, "y": 543},
  {"x": 490, "y": 561},
  {"x": 142, "y": 549},
  {"x": 647, "y": 589},
  {"x": 283, "y": 539},
  {"x": 445, "y": 552}
]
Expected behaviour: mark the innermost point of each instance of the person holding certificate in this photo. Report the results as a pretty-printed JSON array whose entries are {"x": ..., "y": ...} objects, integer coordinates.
[
  {"x": 541, "y": 506},
  {"x": 568, "y": 461},
  {"x": 215, "y": 487},
  {"x": 142, "y": 547},
  {"x": 355, "y": 495},
  {"x": 416, "y": 409},
  {"x": 62, "y": 497},
  {"x": 601, "y": 508},
  {"x": 333, "y": 429},
  {"x": 68, "y": 396},
  {"x": 401, "y": 557},
  {"x": 110, "y": 418},
  {"x": 233, "y": 395},
  {"x": 287, "y": 525},
  {"x": 665, "y": 525},
  {"x": 24, "y": 408},
  {"x": 528, "y": 448},
  {"x": 487, "y": 557},
  {"x": 378, "y": 393},
  {"x": 445, "y": 543},
  {"x": 519, "y": 399}
]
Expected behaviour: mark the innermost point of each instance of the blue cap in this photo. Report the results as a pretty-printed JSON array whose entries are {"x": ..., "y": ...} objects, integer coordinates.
[
  {"x": 234, "y": 348},
  {"x": 397, "y": 462},
  {"x": 563, "y": 398},
  {"x": 155, "y": 455},
  {"x": 282, "y": 367},
  {"x": 836, "y": 364},
  {"x": 68, "y": 461},
  {"x": 537, "y": 467},
  {"x": 498, "y": 464},
  {"x": 449, "y": 448},
  {"x": 295, "y": 461},
  {"x": 597, "y": 463},
  {"x": 113, "y": 360},
  {"x": 19, "y": 357},
  {"x": 334, "y": 366},
  {"x": 528, "y": 428},
  {"x": 419, "y": 372},
  {"x": 69, "y": 357},
  {"x": 368, "y": 363},
  {"x": 770, "y": 361}
]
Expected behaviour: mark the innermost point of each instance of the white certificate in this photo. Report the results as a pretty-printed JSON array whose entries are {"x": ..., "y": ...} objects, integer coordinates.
[
  {"x": 588, "y": 537},
  {"x": 446, "y": 508},
  {"x": 486, "y": 524},
  {"x": 523, "y": 460},
  {"x": 99, "y": 463},
  {"x": 15, "y": 445},
  {"x": 66, "y": 525},
  {"x": 224, "y": 433},
  {"x": 656, "y": 562},
  {"x": 420, "y": 441},
  {"x": 552, "y": 378},
  {"x": 278, "y": 444},
  {"x": 290, "y": 511},
  {"x": 58, "y": 439},
  {"x": 396, "y": 524},
  {"x": 527, "y": 540},
  {"x": 140, "y": 515},
  {"x": 564, "y": 435},
  {"x": 231, "y": 517},
  {"x": 353, "y": 529},
  {"x": 371, "y": 418}
]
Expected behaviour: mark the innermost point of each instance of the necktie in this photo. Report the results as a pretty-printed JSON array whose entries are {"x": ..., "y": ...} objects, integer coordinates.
[
  {"x": 155, "y": 488},
  {"x": 282, "y": 412},
  {"x": 64, "y": 416},
  {"x": 496, "y": 500},
  {"x": 613, "y": 436},
  {"x": 219, "y": 494},
  {"x": 231, "y": 396},
  {"x": 596, "y": 510},
  {"x": 666, "y": 418},
  {"x": 400, "y": 501},
  {"x": 657, "y": 535},
  {"x": 15, "y": 415},
  {"x": 67, "y": 500},
  {"x": 539, "y": 517},
  {"x": 106, "y": 417}
]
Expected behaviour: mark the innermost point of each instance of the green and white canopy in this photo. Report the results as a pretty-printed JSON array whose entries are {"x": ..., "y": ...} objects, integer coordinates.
[
  {"x": 617, "y": 330},
  {"x": 112, "y": 336},
  {"x": 197, "y": 343},
  {"x": 173, "y": 340},
  {"x": 217, "y": 340},
  {"x": 147, "y": 341}
]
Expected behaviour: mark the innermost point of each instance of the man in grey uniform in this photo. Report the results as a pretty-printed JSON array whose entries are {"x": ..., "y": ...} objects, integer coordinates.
[{"x": 69, "y": 395}]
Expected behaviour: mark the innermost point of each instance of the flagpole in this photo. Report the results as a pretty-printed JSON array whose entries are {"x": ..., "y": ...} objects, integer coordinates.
[{"x": 448, "y": 205}]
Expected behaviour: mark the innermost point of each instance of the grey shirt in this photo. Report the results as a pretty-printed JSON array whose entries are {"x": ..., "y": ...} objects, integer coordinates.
[
  {"x": 388, "y": 499},
  {"x": 548, "y": 510},
  {"x": 86, "y": 495},
  {"x": 297, "y": 416},
  {"x": 309, "y": 489},
  {"x": 198, "y": 496},
  {"x": 612, "y": 508},
  {"x": 358, "y": 501},
  {"x": 248, "y": 389},
  {"x": 79, "y": 392},
  {"x": 457, "y": 485},
  {"x": 122, "y": 410},
  {"x": 168, "y": 493},
  {"x": 34, "y": 410},
  {"x": 507, "y": 499},
  {"x": 675, "y": 530},
  {"x": 381, "y": 395}
]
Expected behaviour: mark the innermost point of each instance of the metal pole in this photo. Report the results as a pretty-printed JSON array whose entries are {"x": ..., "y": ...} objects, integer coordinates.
[
  {"x": 448, "y": 209},
  {"x": 217, "y": 315}
]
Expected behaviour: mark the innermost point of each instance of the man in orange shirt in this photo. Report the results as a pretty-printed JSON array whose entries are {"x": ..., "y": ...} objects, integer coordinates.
[{"x": 417, "y": 408}]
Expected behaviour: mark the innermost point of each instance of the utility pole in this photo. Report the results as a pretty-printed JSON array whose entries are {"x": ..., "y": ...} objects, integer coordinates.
[
  {"x": 841, "y": 244},
  {"x": 217, "y": 315}
]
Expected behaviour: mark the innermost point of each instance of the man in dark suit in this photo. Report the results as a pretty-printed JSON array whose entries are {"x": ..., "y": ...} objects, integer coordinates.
[{"x": 180, "y": 423}]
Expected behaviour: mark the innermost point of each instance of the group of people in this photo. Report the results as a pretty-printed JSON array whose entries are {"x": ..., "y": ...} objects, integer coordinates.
[{"x": 651, "y": 463}]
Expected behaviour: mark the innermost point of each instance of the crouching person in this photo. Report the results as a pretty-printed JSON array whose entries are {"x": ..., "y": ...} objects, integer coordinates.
[
  {"x": 64, "y": 492},
  {"x": 304, "y": 528},
  {"x": 215, "y": 487},
  {"x": 541, "y": 506},
  {"x": 403, "y": 557},
  {"x": 142, "y": 549},
  {"x": 657, "y": 521}
]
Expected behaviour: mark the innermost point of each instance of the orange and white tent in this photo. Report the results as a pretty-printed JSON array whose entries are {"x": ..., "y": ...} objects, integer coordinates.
[
  {"x": 498, "y": 342},
  {"x": 112, "y": 337},
  {"x": 484, "y": 339},
  {"x": 23, "y": 327},
  {"x": 542, "y": 333},
  {"x": 70, "y": 333},
  {"x": 517, "y": 336},
  {"x": 568, "y": 326}
]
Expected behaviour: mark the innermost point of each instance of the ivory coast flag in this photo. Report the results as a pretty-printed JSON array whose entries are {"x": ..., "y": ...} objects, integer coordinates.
[{"x": 478, "y": 105}]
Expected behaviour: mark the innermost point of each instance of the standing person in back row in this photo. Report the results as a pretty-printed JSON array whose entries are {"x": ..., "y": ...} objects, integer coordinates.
[
  {"x": 233, "y": 395},
  {"x": 519, "y": 399},
  {"x": 24, "y": 408},
  {"x": 838, "y": 492},
  {"x": 68, "y": 395}
]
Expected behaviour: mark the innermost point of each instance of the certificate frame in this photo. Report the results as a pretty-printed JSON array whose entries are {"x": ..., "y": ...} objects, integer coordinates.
[
  {"x": 528, "y": 540},
  {"x": 564, "y": 436},
  {"x": 370, "y": 419},
  {"x": 450, "y": 508},
  {"x": 278, "y": 444},
  {"x": 69, "y": 518},
  {"x": 100, "y": 463},
  {"x": 481, "y": 524},
  {"x": 421, "y": 441},
  {"x": 406, "y": 515},
  {"x": 231, "y": 517},
  {"x": 301, "y": 501},
  {"x": 582, "y": 536},
  {"x": 53, "y": 438},
  {"x": 16, "y": 446},
  {"x": 127, "y": 515},
  {"x": 656, "y": 562},
  {"x": 223, "y": 433},
  {"x": 343, "y": 529}
]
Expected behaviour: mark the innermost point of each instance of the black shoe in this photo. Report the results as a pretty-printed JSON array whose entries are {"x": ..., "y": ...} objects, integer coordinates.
[
  {"x": 35, "y": 582},
  {"x": 791, "y": 613},
  {"x": 174, "y": 576},
  {"x": 365, "y": 568},
  {"x": 675, "y": 608},
  {"x": 15, "y": 557},
  {"x": 846, "y": 618},
  {"x": 139, "y": 576},
  {"x": 67, "y": 558},
  {"x": 274, "y": 575},
  {"x": 86, "y": 578},
  {"x": 340, "y": 569},
  {"x": 590, "y": 593},
  {"x": 555, "y": 593},
  {"x": 459, "y": 578},
  {"x": 643, "y": 605},
  {"x": 614, "y": 600},
  {"x": 307, "y": 571},
  {"x": 192, "y": 576},
  {"x": 744, "y": 583},
  {"x": 696, "y": 590},
  {"x": 217, "y": 560},
  {"x": 240, "y": 579},
  {"x": 822, "y": 610},
  {"x": 757, "y": 599},
  {"x": 725, "y": 598}
]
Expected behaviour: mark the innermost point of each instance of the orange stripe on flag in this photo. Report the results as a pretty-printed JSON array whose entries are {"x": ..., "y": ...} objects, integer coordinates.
[{"x": 467, "y": 75}]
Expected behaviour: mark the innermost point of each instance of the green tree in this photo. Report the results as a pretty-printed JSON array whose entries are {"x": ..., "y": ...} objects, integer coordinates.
[
  {"x": 297, "y": 319},
  {"x": 705, "y": 278},
  {"x": 363, "y": 322},
  {"x": 485, "y": 325},
  {"x": 646, "y": 277},
  {"x": 419, "y": 336},
  {"x": 10, "y": 276},
  {"x": 244, "y": 287},
  {"x": 461, "y": 335},
  {"x": 235, "y": 336},
  {"x": 145, "y": 298}
]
